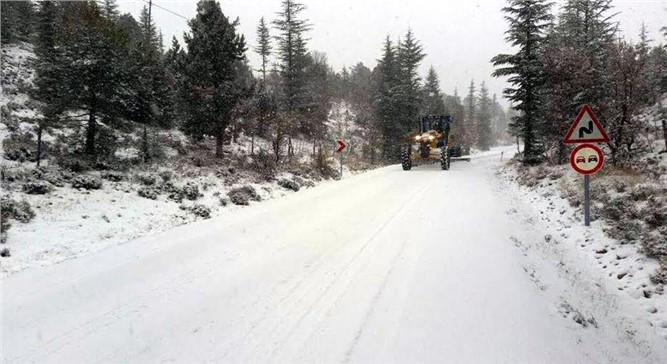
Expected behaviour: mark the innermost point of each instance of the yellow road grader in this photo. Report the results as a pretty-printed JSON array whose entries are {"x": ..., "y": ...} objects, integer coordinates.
[{"x": 432, "y": 144}]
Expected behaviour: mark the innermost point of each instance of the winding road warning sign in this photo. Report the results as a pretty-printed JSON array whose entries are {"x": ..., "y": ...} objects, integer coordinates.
[{"x": 586, "y": 129}]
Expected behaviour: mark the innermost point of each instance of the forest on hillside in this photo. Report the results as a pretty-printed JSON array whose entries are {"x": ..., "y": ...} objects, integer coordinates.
[
  {"x": 573, "y": 56},
  {"x": 109, "y": 73}
]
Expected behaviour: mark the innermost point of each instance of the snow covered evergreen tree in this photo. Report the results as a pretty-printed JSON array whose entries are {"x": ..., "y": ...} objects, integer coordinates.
[
  {"x": 459, "y": 134},
  {"x": 408, "y": 95},
  {"x": 433, "y": 102},
  {"x": 17, "y": 19},
  {"x": 211, "y": 82},
  {"x": 293, "y": 56},
  {"x": 263, "y": 47},
  {"x": 484, "y": 115},
  {"x": 94, "y": 78},
  {"x": 387, "y": 107},
  {"x": 110, "y": 9},
  {"x": 471, "y": 124},
  {"x": 528, "y": 21},
  {"x": 48, "y": 71}
]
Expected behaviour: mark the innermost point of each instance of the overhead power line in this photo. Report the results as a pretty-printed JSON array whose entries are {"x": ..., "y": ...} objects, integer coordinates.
[{"x": 167, "y": 10}]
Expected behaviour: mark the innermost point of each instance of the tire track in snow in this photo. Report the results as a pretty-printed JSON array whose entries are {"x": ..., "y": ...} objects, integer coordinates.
[{"x": 351, "y": 268}]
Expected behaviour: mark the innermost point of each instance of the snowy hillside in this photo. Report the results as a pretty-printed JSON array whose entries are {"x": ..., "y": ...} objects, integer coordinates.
[{"x": 78, "y": 210}]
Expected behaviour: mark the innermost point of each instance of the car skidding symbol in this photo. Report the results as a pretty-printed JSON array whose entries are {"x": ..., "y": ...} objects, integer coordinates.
[{"x": 592, "y": 158}]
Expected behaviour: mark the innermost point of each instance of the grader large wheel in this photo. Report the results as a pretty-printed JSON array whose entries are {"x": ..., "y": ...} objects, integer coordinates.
[
  {"x": 406, "y": 162},
  {"x": 444, "y": 160}
]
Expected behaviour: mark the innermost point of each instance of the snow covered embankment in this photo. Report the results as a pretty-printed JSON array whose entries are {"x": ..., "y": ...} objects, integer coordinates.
[{"x": 611, "y": 275}]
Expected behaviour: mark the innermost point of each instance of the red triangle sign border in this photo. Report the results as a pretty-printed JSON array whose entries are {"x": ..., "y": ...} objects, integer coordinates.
[{"x": 586, "y": 109}]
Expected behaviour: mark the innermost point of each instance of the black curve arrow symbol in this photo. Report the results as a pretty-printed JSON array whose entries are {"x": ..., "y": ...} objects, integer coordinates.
[{"x": 583, "y": 130}]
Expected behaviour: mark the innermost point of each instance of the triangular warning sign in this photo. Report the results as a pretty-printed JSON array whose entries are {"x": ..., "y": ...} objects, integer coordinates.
[{"x": 586, "y": 129}]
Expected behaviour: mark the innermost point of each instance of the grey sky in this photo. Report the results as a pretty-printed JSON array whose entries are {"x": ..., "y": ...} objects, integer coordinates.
[{"x": 459, "y": 36}]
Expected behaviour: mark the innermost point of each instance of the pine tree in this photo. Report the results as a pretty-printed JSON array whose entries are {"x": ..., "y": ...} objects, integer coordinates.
[
  {"x": 409, "y": 55},
  {"x": 484, "y": 114},
  {"x": 96, "y": 85},
  {"x": 293, "y": 57},
  {"x": 48, "y": 71},
  {"x": 470, "y": 120},
  {"x": 386, "y": 105},
  {"x": 433, "y": 102},
  {"x": 110, "y": 9},
  {"x": 459, "y": 135},
  {"x": 528, "y": 21},
  {"x": 17, "y": 19},
  {"x": 263, "y": 46},
  {"x": 499, "y": 121},
  {"x": 210, "y": 77}
]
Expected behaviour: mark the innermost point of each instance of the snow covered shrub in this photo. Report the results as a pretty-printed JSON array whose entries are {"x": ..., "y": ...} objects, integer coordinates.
[
  {"x": 224, "y": 201},
  {"x": 264, "y": 164},
  {"x": 173, "y": 192},
  {"x": 73, "y": 162},
  {"x": 654, "y": 243},
  {"x": 37, "y": 188},
  {"x": 52, "y": 175},
  {"x": 191, "y": 191},
  {"x": 87, "y": 182},
  {"x": 304, "y": 182},
  {"x": 17, "y": 210},
  {"x": 200, "y": 210},
  {"x": 113, "y": 176},
  {"x": 322, "y": 166},
  {"x": 660, "y": 275},
  {"x": 243, "y": 195},
  {"x": 148, "y": 192},
  {"x": 289, "y": 184},
  {"x": 5, "y": 253},
  {"x": 642, "y": 191},
  {"x": 20, "y": 147},
  {"x": 14, "y": 174},
  {"x": 147, "y": 179},
  {"x": 167, "y": 175},
  {"x": 615, "y": 209},
  {"x": 655, "y": 213}
]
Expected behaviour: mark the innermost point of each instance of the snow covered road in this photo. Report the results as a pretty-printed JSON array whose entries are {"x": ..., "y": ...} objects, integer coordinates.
[{"x": 387, "y": 266}]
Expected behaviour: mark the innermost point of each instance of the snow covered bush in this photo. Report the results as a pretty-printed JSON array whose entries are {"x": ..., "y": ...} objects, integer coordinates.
[
  {"x": 17, "y": 210},
  {"x": 113, "y": 176},
  {"x": 20, "y": 147},
  {"x": 200, "y": 210},
  {"x": 167, "y": 175},
  {"x": 264, "y": 164},
  {"x": 5, "y": 253},
  {"x": 243, "y": 195},
  {"x": 74, "y": 163},
  {"x": 148, "y": 192},
  {"x": 289, "y": 184},
  {"x": 147, "y": 179},
  {"x": 87, "y": 182},
  {"x": 191, "y": 191},
  {"x": 304, "y": 182},
  {"x": 37, "y": 187},
  {"x": 52, "y": 175},
  {"x": 643, "y": 190}
]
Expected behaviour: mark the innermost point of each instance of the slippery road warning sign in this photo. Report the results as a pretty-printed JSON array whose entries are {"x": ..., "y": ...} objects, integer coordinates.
[
  {"x": 586, "y": 129},
  {"x": 587, "y": 158}
]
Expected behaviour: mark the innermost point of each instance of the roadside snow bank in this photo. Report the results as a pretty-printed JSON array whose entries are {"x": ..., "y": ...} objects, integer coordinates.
[{"x": 611, "y": 274}]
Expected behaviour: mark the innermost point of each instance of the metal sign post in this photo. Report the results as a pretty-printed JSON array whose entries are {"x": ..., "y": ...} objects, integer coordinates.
[
  {"x": 341, "y": 146},
  {"x": 586, "y": 159},
  {"x": 587, "y": 200}
]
